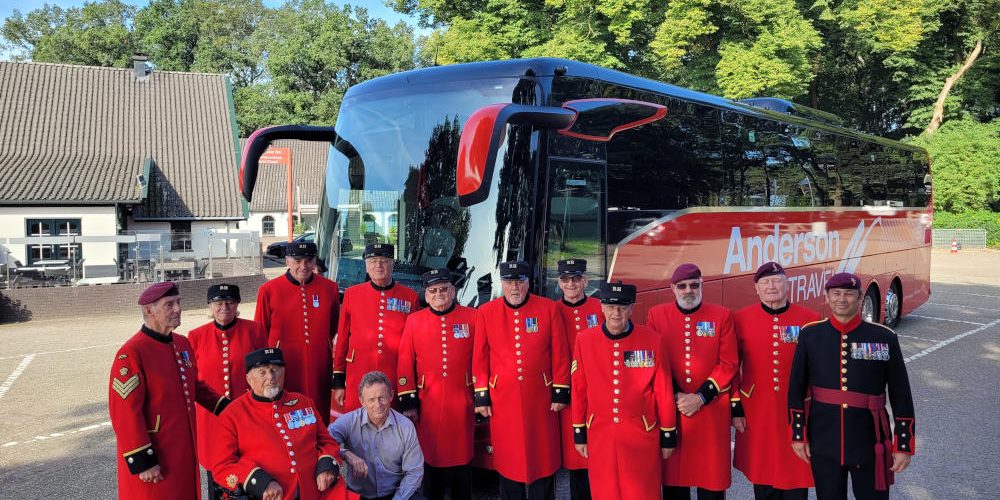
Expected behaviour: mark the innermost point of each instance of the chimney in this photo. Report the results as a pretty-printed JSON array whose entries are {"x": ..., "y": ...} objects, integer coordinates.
[{"x": 139, "y": 65}]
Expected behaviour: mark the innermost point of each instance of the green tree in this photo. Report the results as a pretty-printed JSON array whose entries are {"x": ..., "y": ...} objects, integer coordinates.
[
  {"x": 966, "y": 155},
  {"x": 97, "y": 34}
]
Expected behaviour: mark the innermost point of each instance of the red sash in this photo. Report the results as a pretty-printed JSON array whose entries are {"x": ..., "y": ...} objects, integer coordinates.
[{"x": 883, "y": 438}]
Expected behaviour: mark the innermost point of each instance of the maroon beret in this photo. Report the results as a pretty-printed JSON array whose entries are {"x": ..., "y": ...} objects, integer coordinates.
[
  {"x": 685, "y": 272},
  {"x": 157, "y": 291},
  {"x": 768, "y": 269},
  {"x": 843, "y": 280}
]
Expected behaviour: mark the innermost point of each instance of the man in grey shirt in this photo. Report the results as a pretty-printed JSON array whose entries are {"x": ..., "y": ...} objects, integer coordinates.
[{"x": 382, "y": 458}]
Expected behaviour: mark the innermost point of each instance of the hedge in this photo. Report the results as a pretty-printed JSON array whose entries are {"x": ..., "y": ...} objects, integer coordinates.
[{"x": 980, "y": 219}]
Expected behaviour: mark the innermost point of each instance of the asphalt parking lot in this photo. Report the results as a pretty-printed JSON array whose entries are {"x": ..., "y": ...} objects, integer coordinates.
[{"x": 56, "y": 441}]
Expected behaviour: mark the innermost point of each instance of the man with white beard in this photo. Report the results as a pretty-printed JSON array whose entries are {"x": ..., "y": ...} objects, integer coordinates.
[{"x": 701, "y": 343}]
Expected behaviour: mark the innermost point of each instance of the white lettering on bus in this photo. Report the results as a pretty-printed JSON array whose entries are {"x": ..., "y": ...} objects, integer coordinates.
[{"x": 787, "y": 249}]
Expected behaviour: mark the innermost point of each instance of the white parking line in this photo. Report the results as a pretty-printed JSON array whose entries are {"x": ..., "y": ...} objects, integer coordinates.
[
  {"x": 951, "y": 340},
  {"x": 85, "y": 428},
  {"x": 963, "y": 305},
  {"x": 15, "y": 374},
  {"x": 945, "y": 319},
  {"x": 972, "y": 294},
  {"x": 64, "y": 350}
]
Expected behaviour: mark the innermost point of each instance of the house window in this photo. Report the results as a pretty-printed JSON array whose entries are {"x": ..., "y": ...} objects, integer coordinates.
[
  {"x": 180, "y": 236},
  {"x": 267, "y": 225},
  {"x": 53, "y": 227}
]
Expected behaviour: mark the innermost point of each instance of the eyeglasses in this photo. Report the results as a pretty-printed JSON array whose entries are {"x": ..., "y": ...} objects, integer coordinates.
[
  {"x": 575, "y": 278},
  {"x": 684, "y": 286},
  {"x": 437, "y": 290}
]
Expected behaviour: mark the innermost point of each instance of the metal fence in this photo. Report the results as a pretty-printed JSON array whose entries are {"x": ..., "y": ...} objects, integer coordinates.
[
  {"x": 966, "y": 238},
  {"x": 131, "y": 256}
]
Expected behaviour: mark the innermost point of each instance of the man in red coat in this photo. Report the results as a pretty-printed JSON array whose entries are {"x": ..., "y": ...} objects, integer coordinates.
[
  {"x": 435, "y": 386},
  {"x": 767, "y": 334},
  {"x": 521, "y": 367},
  {"x": 299, "y": 312},
  {"x": 153, "y": 387},
  {"x": 219, "y": 348},
  {"x": 371, "y": 326},
  {"x": 623, "y": 402},
  {"x": 272, "y": 444},
  {"x": 701, "y": 343},
  {"x": 579, "y": 313}
]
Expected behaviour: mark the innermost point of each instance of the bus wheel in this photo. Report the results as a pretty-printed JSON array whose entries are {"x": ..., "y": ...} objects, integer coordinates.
[
  {"x": 869, "y": 308},
  {"x": 893, "y": 305}
]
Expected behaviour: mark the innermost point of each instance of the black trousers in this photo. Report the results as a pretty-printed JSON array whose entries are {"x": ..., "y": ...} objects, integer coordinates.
[
  {"x": 438, "y": 480},
  {"x": 541, "y": 489},
  {"x": 768, "y": 492},
  {"x": 684, "y": 493},
  {"x": 831, "y": 480},
  {"x": 579, "y": 484}
]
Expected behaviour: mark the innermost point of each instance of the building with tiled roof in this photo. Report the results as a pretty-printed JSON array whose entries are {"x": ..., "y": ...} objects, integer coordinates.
[
  {"x": 99, "y": 152},
  {"x": 269, "y": 208}
]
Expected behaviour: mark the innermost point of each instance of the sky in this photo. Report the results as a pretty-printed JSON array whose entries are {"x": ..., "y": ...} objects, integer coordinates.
[{"x": 376, "y": 8}]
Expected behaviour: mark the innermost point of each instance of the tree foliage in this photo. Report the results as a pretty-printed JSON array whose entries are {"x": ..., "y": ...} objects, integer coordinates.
[{"x": 966, "y": 156}]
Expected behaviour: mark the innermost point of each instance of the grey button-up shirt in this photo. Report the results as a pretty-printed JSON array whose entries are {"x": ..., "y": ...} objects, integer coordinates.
[{"x": 392, "y": 453}]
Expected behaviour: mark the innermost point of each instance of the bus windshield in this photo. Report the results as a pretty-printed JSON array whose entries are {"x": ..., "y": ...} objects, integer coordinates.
[{"x": 390, "y": 178}]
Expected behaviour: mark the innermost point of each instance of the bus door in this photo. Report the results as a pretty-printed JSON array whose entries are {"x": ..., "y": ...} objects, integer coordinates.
[{"x": 575, "y": 226}]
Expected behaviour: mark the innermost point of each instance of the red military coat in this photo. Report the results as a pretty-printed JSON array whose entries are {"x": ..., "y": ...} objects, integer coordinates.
[
  {"x": 151, "y": 395},
  {"x": 220, "y": 351},
  {"x": 767, "y": 340},
  {"x": 370, "y": 329},
  {"x": 577, "y": 318},
  {"x": 283, "y": 440},
  {"x": 301, "y": 320},
  {"x": 703, "y": 359},
  {"x": 623, "y": 409},
  {"x": 521, "y": 366},
  {"x": 435, "y": 373}
]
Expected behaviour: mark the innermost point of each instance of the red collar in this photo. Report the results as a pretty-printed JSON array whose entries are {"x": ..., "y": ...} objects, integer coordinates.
[{"x": 845, "y": 327}]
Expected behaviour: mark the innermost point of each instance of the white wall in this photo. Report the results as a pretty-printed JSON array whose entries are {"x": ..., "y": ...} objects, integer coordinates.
[
  {"x": 255, "y": 222},
  {"x": 94, "y": 221}
]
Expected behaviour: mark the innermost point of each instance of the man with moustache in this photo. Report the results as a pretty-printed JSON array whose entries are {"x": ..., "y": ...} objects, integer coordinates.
[
  {"x": 845, "y": 365},
  {"x": 299, "y": 312},
  {"x": 371, "y": 325},
  {"x": 382, "y": 457},
  {"x": 219, "y": 347},
  {"x": 701, "y": 344},
  {"x": 153, "y": 387},
  {"x": 623, "y": 402},
  {"x": 272, "y": 445},
  {"x": 435, "y": 386},
  {"x": 579, "y": 313},
  {"x": 521, "y": 367},
  {"x": 767, "y": 333}
]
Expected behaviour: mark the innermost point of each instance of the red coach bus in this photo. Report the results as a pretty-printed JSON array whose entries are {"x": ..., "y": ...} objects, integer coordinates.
[{"x": 469, "y": 165}]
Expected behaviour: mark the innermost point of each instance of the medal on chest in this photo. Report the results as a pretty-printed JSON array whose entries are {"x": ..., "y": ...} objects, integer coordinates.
[
  {"x": 705, "y": 329},
  {"x": 186, "y": 358},
  {"x": 300, "y": 418},
  {"x": 531, "y": 325},
  {"x": 870, "y": 351},
  {"x": 789, "y": 334},
  {"x": 639, "y": 359},
  {"x": 460, "y": 330},
  {"x": 315, "y": 300},
  {"x": 591, "y": 320},
  {"x": 398, "y": 305}
]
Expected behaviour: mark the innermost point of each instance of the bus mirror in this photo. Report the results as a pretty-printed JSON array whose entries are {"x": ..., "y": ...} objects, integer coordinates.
[
  {"x": 588, "y": 119},
  {"x": 601, "y": 119},
  {"x": 261, "y": 139},
  {"x": 482, "y": 136}
]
